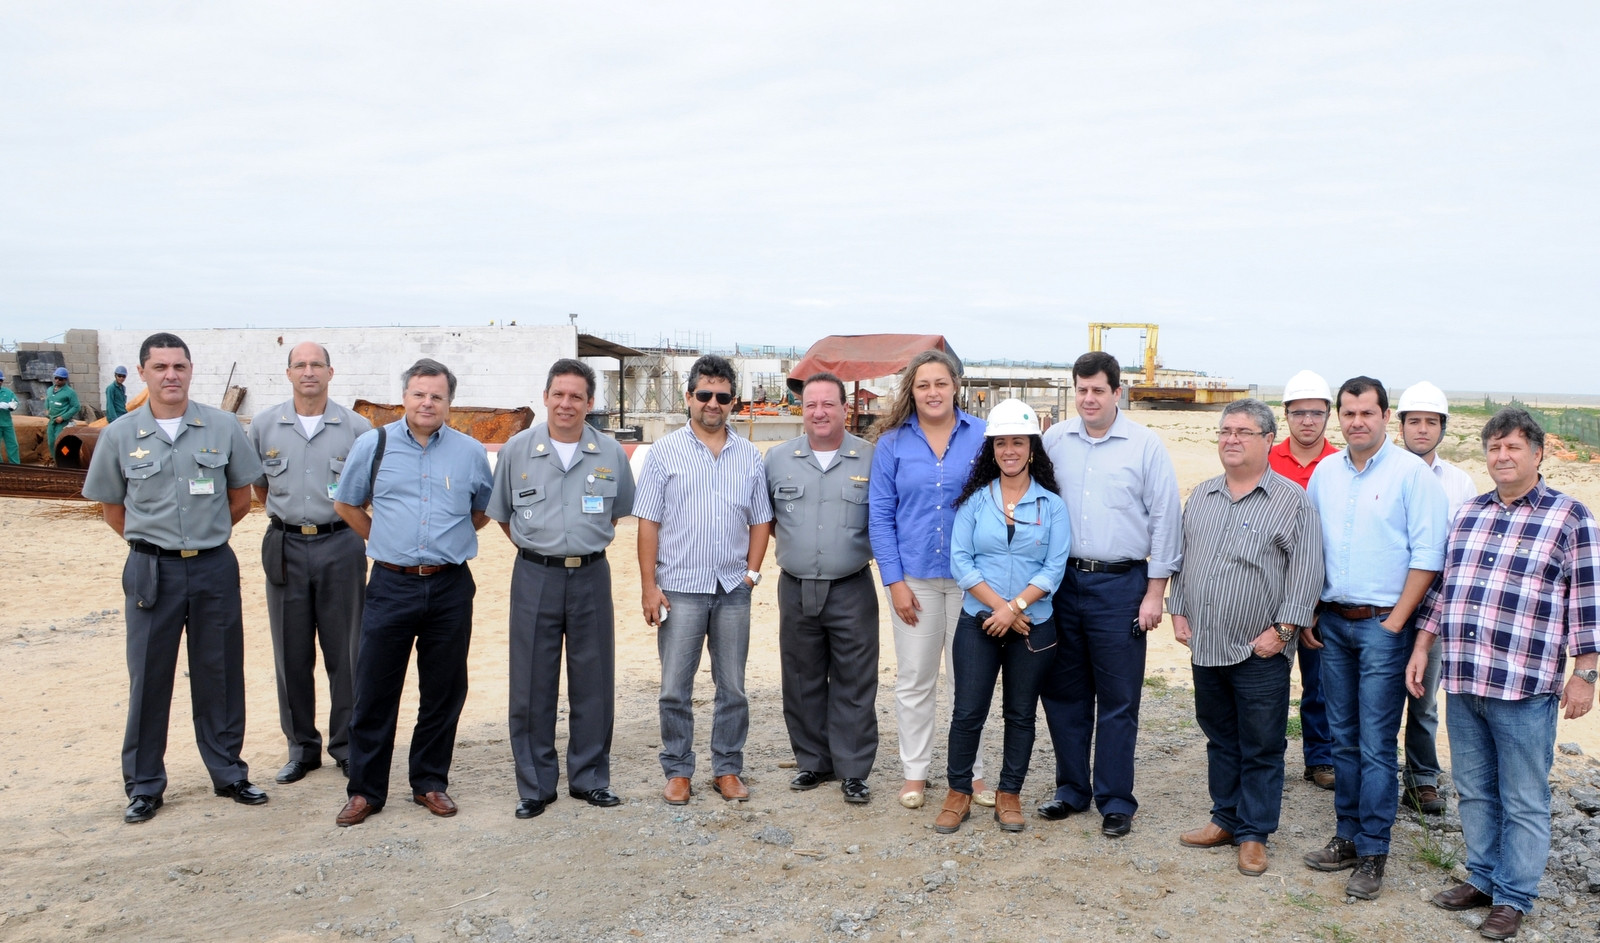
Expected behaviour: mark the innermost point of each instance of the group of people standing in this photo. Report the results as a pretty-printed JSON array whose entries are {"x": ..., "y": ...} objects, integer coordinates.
[{"x": 1011, "y": 557}]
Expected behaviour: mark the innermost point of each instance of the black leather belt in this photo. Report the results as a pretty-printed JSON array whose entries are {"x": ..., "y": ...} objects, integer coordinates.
[
  {"x": 145, "y": 546},
  {"x": 1101, "y": 566},
  {"x": 571, "y": 563},
  {"x": 427, "y": 569},
  {"x": 307, "y": 529},
  {"x": 856, "y": 575},
  {"x": 1356, "y": 613}
]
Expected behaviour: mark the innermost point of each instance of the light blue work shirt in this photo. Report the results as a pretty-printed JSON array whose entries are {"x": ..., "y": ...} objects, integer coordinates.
[
  {"x": 910, "y": 509},
  {"x": 423, "y": 500},
  {"x": 1121, "y": 492},
  {"x": 1378, "y": 524},
  {"x": 1036, "y": 556}
]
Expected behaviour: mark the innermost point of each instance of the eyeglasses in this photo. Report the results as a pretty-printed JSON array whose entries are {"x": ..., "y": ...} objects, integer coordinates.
[
  {"x": 313, "y": 364},
  {"x": 1240, "y": 434},
  {"x": 705, "y": 396},
  {"x": 1308, "y": 414}
]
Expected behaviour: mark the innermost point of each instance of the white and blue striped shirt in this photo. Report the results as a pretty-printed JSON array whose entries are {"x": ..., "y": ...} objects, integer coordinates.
[{"x": 706, "y": 505}]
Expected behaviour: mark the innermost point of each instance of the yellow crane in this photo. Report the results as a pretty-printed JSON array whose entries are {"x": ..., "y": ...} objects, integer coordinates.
[{"x": 1097, "y": 342}]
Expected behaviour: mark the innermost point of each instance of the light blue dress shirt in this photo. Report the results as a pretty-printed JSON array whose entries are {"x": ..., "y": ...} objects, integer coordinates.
[
  {"x": 1377, "y": 524},
  {"x": 424, "y": 497},
  {"x": 910, "y": 513},
  {"x": 1121, "y": 492},
  {"x": 1037, "y": 556}
]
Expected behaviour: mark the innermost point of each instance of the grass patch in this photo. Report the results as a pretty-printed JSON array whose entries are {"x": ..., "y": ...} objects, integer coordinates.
[
  {"x": 1306, "y": 901},
  {"x": 1434, "y": 848},
  {"x": 1292, "y": 730},
  {"x": 1335, "y": 933},
  {"x": 1157, "y": 684}
]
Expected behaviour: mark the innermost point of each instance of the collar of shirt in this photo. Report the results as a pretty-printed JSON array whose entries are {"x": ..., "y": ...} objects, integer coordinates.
[
  {"x": 964, "y": 420},
  {"x": 1284, "y": 449},
  {"x": 191, "y": 417},
  {"x": 1119, "y": 428},
  {"x": 540, "y": 444},
  {"x": 330, "y": 416},
  {"x": 1220, "y": 483},
  {"x": 847, "y": 449}
]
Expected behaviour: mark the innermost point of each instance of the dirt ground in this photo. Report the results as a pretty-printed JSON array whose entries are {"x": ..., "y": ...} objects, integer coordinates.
[{"x": 785, "y": 866}]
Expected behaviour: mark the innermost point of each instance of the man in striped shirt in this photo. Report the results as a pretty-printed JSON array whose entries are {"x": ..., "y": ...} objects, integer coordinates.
[
  {"x": 1520, "y": 591},
  {"x": 704, "y": 521},
  {"x": 1252, "y": 550}
]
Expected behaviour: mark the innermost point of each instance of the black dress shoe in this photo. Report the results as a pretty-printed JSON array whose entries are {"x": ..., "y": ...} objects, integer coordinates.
[
  {"x": 1116, "y": 825},
  {"x": 141, "y": 809},
  {"x": 855, "y": 790},
  {"x": 602, "y": 797},
  {"x": 344, "y": 767},
  {"x": 528, "y": 808},
  {"x": 806, "y": 779},
  {"x": 1055, "y": 810},
  {"x": 243, "y": 793},
  {"x": 296, "y": 770}
]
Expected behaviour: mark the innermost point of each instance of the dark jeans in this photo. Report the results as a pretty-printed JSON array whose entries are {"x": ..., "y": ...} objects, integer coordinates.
[
  {"x": 434, "y": 613},
  {"x": 979, "y": 659},
  {"x": 1316, "y": 741},
  {"x": 1363, "y": 668},
  {"x": 1243, "y": 710}
]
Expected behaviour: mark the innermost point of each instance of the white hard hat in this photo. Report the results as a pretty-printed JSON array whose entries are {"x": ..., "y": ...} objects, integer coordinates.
[
  {"x": 1307, "y": 385},
  {"x": 1012, "y": 417},
  {"x": 1424, "y": 397}
]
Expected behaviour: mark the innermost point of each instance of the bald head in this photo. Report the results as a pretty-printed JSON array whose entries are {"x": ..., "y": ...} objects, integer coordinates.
[{"x": 309, "y": 373}]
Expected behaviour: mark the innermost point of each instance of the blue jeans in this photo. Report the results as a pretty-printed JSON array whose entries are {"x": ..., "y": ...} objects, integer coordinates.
[
  {"x": 1244, "y": 710},
  {"x": 1422, "y": 725},
  {"x": 1363, "y": 679},
  {"x": 1316, "y": 743},
  {"x": 979, "y": 660},
  {"x": 719, "y": 621},
  {"x": 1501, "y": 752}
]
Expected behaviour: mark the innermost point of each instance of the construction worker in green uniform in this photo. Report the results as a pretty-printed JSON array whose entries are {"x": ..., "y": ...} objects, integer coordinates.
[
  {"x": 8, "y": 432},
  {"x": 61, "y": 406},
  {"x": 117, "y": 396}
]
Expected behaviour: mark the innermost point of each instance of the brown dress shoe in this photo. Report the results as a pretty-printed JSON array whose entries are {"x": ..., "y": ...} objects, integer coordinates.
[
  {"x": 957, "y": 809},
  {"x": 438, "y": 803},
  {"x": 731, "y": 788},
  {"x": 1503, "y": 921},
  {"x": 1464, "y": 896},
  {"x": 1321, "y": 774},
  {"x": 1252, "y": 859},
  {"x": 1209, "y": 835},
  {"x": 356, "y": 811},
  {"x": 678, "y": 791},
  {"x": 1008, "y": 811}
]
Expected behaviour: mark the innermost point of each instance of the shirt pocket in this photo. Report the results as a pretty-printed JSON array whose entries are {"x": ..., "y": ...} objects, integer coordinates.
[
  {"x": 855, "y": 499},
  {"x": 336, "y": 468},
  {"x": 524, "y": 501},
  {"x": 141, "y": 477},
  {"x": 212, "y": 465},
  {"x": 785, "y": 496},
  {"x": 604, "y": 487},
  {"x": 1121, "y": 489},
  {"x": 274, "y": 468}
]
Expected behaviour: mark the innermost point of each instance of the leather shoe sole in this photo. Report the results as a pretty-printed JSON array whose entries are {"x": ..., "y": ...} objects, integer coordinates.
[
  {"x": 1055, "y": 810},
  {"x": 141, "y": 809},
  {"x": 602, "y": 797},
  {"x": 528, "y": 808},
  {"x": 294, "y": 771},
  {"x": 242, "y": 792},
  {"x": 1116, "y": 825},
  {"x": 356, "y": 811},
  {"x": 439, "y": 803}
]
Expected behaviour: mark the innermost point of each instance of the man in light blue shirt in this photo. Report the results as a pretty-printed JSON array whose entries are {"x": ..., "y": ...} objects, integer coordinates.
[
  {"x": 429, "y": 488},
  {"x": 1384, "y": 519},
  {"x": 1127, "y": 540}
]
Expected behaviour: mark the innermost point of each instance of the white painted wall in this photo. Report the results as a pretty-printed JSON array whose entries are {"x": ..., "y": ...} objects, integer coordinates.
[{"x": 494, "y": 366}]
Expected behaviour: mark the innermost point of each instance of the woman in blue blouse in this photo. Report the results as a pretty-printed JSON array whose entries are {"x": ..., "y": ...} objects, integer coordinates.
[
  {"x": 1008, "y": 551},
  {"x": 925, "y": 451}
]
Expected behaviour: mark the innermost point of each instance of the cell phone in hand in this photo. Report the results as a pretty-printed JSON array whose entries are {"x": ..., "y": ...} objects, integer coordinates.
[{"x": 1138, "y": 630}]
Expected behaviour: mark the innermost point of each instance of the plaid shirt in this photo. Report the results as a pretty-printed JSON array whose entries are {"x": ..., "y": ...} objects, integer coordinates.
[{"x": 1520, "y": 590}]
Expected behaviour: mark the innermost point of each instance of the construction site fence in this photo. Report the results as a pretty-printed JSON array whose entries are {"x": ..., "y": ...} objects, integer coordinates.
[{"x": 1573, "y": 425}]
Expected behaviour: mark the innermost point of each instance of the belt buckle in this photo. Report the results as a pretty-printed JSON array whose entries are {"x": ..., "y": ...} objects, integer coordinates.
[
  {"x": 186, "y": 554},
  {"x": 572, "y": 562},
  {"x": 309, "y": 530}
]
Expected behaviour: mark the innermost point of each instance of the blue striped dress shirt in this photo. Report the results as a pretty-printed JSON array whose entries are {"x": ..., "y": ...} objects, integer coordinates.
[{"x": 424, "y": 497}]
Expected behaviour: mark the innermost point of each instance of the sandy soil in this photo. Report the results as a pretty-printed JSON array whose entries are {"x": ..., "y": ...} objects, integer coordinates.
[{"x": 784, "y": 866}]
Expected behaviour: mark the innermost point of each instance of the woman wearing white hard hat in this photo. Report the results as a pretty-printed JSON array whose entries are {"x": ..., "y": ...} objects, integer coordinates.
[{"x": 1008, "y": 552}]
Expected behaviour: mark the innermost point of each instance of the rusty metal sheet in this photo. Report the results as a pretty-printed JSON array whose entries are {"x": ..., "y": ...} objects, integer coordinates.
[
  {"x": 488, "y": 424},
  {"x": 38, "y": 481}
]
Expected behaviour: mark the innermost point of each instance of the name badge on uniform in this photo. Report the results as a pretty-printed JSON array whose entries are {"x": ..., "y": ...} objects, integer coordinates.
[
  {"x": 202, "y": 486},
  {"x": 594, "y": 504},
  {"x": 333, "y": 489}
]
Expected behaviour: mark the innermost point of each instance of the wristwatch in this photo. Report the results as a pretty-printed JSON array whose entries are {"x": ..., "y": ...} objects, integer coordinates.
[
  {"x": 754, "y": 576},
  {"x": 1588, "y": 675},
  {"x": 1285, "y": 631}
]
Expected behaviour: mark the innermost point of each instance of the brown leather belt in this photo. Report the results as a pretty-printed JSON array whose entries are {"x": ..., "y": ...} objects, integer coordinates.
[
  {"x": 424, "y": 570},
  {"x": 1356, "y": 613}
]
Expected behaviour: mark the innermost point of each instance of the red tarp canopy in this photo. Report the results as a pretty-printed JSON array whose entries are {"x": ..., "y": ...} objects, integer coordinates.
[{"x": 864, "y": 356}]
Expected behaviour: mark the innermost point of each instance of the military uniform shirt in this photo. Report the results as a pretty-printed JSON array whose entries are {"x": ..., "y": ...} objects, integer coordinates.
[
  {"x": 544, "y": 504},
  {"x": 820, "y": 516},
  {"x": 175, "y": 493},
  {"x": 301, "y": 474}
]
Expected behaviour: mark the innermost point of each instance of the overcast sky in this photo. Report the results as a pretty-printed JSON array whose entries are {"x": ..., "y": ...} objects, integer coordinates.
[{"x": 1407, "y": 190}]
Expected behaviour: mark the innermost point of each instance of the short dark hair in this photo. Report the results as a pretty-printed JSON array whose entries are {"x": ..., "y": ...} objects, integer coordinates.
[
  {"x": 325, "y": 358},
  {"x": 427, "y": 367},
  {"x": 713, "y": 367},
  {"x": 567, "y": 367},
  {"x": 1356, "y": 386},
  {"x": 1098, "y": 361},
  {"x": 824, "y": 377},
  {"x": 164, "y": 341},
  {"x": 1513, "y": 419}
]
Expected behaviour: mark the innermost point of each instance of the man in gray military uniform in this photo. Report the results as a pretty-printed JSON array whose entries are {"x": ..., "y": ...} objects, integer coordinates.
[
  {"x": 173, "y": 477},
  {"x": 559, "y": 489},
  {"x": 316, "y": 565},
  {"x": 827, "y": 605}
]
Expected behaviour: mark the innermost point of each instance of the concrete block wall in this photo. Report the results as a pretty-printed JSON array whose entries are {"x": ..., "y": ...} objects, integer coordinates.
[
  {"x": 82, "y": 350},
  {"x": 501, "y": 366}
]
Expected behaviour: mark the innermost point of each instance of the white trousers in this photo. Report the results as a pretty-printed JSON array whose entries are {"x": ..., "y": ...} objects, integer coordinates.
[{"x": 918, "y": 650}]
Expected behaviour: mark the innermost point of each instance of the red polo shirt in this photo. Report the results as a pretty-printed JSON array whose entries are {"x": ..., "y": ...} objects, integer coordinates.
[{"x": 1284, "y": 463}]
